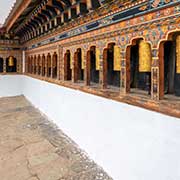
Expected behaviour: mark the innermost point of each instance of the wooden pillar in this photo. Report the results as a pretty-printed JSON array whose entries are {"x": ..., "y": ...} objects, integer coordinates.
[
  {"x": 41, "y": 30},
  {"x": 40, "y": 64},
  {"x": 20, "y": 62},
  {"x": 35, "y": 33},
  {"x": 49, "y": 66},
  {"x": 30, "y": 66},
  {"x": 34, "y": 65},
  {"x": 51, "y": 75},
  {"x": 84, "y": 63},
  {"x": 78, "y": 9},
  {"x": 43, "y": 65},
  {"x": 27, "y": 64},
  {"x": 103, "y": 69},
  {"x": 4, "y": 65},
  {"x": 31, "y": 69},
  {"x": 88, "y": 68},
  {"x": 55, "y": 21},
  {"x": 62, "y": 17},
  {"x": 37, "y": 64},
  {"x": 50, "y": 25},
  {"x": 75, "y": 68},
  {"x": 123, "y": 72},
  {"x": 100, "y": 63},
  {"x": 126, "y": 70},
  {"x": 157, "y": 73},
  {"x": 46, "y": 66},
  {"x": 89, "y": 4},
  {"x": 69, "y": 13},
  {"x": 60, "y": 66},
  {"x": 65, "y": 67},
  {"x": 54, "y": 66}
]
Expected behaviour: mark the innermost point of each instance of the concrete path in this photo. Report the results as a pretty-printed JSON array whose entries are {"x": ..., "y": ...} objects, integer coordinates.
[{"x": 32, "y": 148}]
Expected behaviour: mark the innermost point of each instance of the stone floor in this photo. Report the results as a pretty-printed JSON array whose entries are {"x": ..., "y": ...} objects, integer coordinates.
[{"x": 33, "y": 148}]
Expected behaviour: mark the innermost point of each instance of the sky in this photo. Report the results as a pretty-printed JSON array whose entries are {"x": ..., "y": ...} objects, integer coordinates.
[{"x": 5, "y": 7}]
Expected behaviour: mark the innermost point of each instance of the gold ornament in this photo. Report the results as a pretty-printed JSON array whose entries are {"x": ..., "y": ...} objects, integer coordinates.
[
  {"x": 82, "y": 60},
  {"x": 71, "y": 60},
  {"x": 117, "y": 58},
  {"x": 178, "y": 54},
  {"x": 97, "y": 59},
  {"x": 11, "y": 61},
  {"x": 145, "y": 57}
]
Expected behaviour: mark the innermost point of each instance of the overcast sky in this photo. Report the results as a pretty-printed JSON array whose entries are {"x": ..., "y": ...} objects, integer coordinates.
[{"x": 5, "y": 7}]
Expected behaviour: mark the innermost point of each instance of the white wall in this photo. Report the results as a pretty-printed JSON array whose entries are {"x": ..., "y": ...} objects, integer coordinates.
[
  {"x": 130, "y": 143},
  {"x": 10, "y": 85}
]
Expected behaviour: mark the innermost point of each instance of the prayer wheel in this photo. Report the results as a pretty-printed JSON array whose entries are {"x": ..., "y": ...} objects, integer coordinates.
[
  {"x": 71, "y": 60},
  {"x": 145, "y": 56},
  {"x": 97, "y": 59},
  {"x": 117, "y": 58},
  {"x": 82, "y": 60},
  {"x": 11, "y": 61},
  {"x": 178, "y": 54}
]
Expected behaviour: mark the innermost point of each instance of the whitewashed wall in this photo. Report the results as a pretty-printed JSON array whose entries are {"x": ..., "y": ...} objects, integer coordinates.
[
  {"x": 10, "y": 85},
  {"x": 130, "y": 143}
]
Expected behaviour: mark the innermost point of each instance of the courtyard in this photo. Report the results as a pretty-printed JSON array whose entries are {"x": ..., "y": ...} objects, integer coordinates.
[{"x": 33, "y": 148}]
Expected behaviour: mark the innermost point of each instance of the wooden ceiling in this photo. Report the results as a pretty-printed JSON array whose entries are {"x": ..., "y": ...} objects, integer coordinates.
[{"x": 40, "y": 12}]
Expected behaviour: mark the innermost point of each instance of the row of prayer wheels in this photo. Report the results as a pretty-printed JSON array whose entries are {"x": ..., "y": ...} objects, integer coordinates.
[{"x": 145, "y": 57}]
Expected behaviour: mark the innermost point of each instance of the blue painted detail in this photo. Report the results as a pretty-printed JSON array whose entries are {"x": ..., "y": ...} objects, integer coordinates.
[
  {"x": 92, "y": 25},
  {"x": 117, "y": 17},
  {"x": 62, "y": 36},
  {"x": 126, "y": 14},
  {"x": 52, "y": 39}
]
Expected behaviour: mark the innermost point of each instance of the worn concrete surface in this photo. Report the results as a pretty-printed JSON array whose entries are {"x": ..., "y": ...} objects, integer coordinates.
[{"x": 33, "y": 148}]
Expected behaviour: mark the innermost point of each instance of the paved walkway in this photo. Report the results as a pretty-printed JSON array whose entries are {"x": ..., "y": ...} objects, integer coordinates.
[{"x": 32, "y": 148}]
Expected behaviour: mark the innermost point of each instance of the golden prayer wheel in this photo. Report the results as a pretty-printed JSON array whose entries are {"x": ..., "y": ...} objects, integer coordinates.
[
  {"x": 71, "y": 60},
  {"x": 145, "y": 56},
  {"x": 117, "y": 58},
  {"x": 82, "y": 60},
  {"x": 98, "y": 59},
  {"x": 178, "y": 54},
  {"x": 11, "y": 61}
]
